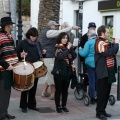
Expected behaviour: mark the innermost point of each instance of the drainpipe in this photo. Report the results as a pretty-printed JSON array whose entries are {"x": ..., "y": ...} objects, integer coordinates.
[{"x": 80, "y": 16}]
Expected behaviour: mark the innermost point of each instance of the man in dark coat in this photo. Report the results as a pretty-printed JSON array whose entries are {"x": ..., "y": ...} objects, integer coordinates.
[{"x": 105, "y": 63}]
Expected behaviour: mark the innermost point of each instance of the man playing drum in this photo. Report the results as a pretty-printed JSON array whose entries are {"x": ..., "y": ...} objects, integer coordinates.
[
  {"x": 32, "y": 47},
  {"x": 8, "y": 57}
]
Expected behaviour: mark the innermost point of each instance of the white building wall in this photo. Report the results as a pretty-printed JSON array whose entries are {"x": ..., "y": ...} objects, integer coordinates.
[
  {"x": 90, "y": 14},
  {"x": 68, "y": 11},
  {"x": 34, "y": 12}
]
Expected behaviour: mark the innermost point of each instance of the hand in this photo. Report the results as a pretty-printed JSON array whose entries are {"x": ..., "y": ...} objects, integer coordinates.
[
  {"x": 69, "y": 45},
  {"x": 44, "y": 51},
  {"x": 75, "y": 27},
  {"x": 80, "y": 48},
  {"x": 117, "y": 40},
  {"x": 10, "y": 67},
  {"x": 23, "y": 54}
]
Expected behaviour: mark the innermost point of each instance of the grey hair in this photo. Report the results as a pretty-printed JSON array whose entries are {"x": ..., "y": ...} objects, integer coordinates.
[
  {"x": 66, "y": 24},
  {"x": 91, "y": 33}
]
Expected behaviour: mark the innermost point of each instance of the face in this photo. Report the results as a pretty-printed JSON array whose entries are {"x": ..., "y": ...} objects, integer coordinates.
[
  {"x": 92, "y": 28},
  {"x": 53, "y": 27},
  {"x": 9, "y": 28},
  {"x": 64, "y": 40},
  {"x": 106, "y": 34},
  {"x": 32, "y": 38},
  {"x": 63, "y": 26}
]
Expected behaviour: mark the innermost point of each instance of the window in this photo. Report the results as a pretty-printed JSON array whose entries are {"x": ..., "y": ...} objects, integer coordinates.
[{"x": 109, "y": 23}]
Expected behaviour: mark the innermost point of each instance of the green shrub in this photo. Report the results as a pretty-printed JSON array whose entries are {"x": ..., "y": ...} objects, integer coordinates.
[{"x": 25, "y": 7}]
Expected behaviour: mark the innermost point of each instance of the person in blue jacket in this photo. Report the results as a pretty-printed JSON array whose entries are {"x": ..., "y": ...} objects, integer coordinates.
[{"x": 88, "y": 52}]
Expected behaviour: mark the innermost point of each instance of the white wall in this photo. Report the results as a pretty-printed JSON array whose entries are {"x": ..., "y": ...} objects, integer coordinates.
[
  {"x": 34, "y": 12},
  {"x": 68, "y": 9},
  {"x": 91, "y": 14}
]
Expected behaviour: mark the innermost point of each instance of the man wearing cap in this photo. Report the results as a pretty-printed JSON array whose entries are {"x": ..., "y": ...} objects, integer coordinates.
[
  {"x": 8, "y": 57},
  {"x": 84, "y": 39},
  {"x": 48, "y": 42}
]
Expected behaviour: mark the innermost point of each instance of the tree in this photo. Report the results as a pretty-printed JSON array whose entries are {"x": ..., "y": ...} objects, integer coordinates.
[{"x": 48, "y": 10}]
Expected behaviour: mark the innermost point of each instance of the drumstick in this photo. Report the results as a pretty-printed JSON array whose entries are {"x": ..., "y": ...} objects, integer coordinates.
[
  {"x": 24, "y": 60},
  {"x": 17, "y": 66}
]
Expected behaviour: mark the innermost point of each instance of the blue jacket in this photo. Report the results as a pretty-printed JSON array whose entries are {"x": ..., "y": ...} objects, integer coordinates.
[{"x": 88, "y": 52}]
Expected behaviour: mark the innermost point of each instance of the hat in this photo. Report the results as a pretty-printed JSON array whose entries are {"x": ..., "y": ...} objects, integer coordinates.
[
  {"x": 91, "y": 24},
  {"x": 6, "y": 21},
  {"x": 50, "y": 23}
]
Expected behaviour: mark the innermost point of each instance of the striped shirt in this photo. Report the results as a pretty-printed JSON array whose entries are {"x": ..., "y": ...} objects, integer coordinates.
[{"x": 7, "y": 49}]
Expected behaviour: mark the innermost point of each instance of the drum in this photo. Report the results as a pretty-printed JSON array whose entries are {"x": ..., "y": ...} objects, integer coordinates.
[
  {"x": 40, "y": 69},
  {"x": 23, "y": 76}
]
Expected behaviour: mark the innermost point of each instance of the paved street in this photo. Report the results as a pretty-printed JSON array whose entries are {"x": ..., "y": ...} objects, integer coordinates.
[{"x": 78, "y": 111}]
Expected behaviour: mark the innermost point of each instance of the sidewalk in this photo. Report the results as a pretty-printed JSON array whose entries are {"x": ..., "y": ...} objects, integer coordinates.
[{"x": 78, "y": 111}]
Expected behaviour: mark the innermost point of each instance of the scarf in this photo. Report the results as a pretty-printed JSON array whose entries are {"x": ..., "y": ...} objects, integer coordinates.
[
  {"x": 110, "y": 61},
  {"x": 36, "y": 43},
  {"x": 67, "y": 67}
]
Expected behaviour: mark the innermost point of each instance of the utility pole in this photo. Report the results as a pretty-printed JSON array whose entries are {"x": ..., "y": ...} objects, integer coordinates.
[
  {"x": 19, "y": 21},
  {"x": 13, "y": 16}
]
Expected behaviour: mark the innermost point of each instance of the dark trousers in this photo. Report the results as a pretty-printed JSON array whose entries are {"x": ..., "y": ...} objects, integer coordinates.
[
  {"x": 4, "y": 99},
  {"x": 103, "y": 92},
  {"x": 28, "y": 97},
  {"x": 61, "y": 87}
]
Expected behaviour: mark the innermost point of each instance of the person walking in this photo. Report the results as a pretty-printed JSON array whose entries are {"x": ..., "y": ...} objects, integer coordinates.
[
  {"x": 48, "y": 43},
  {"x": 8, "y": 57},
  {"x": 34, "y": 52},
  {"x": 88, "y": 53},
  {"x": 105, "y": 63},
  {"x": 63, "y": 70}
]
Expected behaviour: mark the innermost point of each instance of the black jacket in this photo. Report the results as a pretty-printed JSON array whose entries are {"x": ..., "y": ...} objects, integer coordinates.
[
  {"x": 60, "y": 57},
  {"x": 31, "y": 50},
  {"x": 100, "y": 60}
]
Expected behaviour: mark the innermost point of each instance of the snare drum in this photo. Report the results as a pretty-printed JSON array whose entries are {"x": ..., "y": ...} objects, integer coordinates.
[
  {"x": 23, "y": 76},
  {"x": 40, "y": 69}
]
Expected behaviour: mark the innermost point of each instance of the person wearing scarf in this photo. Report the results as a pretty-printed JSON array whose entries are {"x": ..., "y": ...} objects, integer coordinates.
[
  {"x": 34, "y": 52},
  {"x": 8, "y": 57},
  {"x": 63, "y": 70},
  {"x": 105, "y": 66}
]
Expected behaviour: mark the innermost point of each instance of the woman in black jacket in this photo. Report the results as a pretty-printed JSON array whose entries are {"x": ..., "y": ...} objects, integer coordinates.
[
  {"x": 33, "y": 49},
  {"x": 63, "y": 70}
]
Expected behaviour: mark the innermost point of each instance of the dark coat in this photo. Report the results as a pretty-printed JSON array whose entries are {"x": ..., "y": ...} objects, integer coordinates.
[
  {"x": 60, "y": 57},
  {"x": 100, "y": 60},
  {"x": 31, "y": 50},
  {"x": 83, "y": 40}
]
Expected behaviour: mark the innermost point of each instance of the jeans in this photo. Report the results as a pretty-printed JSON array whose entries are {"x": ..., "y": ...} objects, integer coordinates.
[{"x": 92, "y": 82}]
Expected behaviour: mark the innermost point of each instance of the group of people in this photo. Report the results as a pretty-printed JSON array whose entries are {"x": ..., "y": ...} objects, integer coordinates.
[
  {"x": 32, "y": 50},
  {"x": 58, "y": 53},
  {"x": 100, "y": 63}
]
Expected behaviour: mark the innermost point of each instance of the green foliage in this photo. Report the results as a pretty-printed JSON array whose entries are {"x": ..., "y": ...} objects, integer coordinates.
[
  {"x": 25, "y": 7},
  {"x": 111, "y": 33}
]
